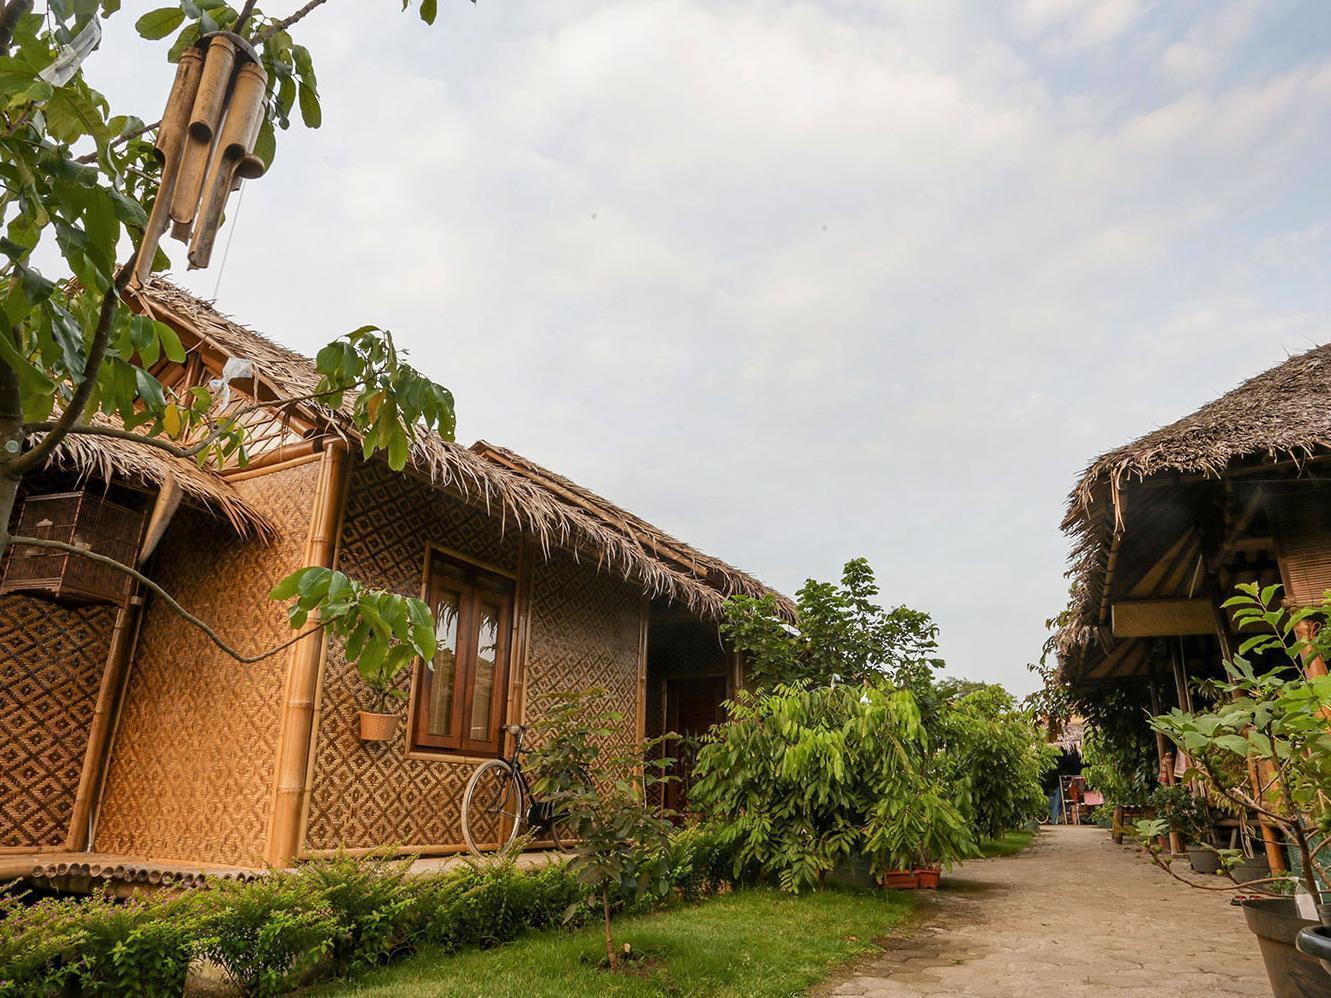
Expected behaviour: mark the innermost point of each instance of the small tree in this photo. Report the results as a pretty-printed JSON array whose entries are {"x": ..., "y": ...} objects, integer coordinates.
[
  {"x": 599, "y": 786},
  {"x": 844, "y": 634}
]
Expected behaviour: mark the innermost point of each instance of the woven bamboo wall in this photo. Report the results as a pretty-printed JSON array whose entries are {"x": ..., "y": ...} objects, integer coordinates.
[
  {"x": 191, "y": 772},
  {"x": 51, "y": 660},
  {"x": 584, "y": 627}
]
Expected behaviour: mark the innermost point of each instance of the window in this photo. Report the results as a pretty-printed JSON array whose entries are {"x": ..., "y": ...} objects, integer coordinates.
[{"x": 460, "y": 694}]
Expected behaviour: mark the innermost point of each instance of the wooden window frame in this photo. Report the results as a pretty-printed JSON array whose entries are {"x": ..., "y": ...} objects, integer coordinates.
[{"x": 498, "y": 587}]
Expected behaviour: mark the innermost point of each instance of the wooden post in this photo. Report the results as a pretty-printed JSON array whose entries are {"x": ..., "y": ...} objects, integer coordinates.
[
  {"x": 1275, "y": 856},
  {"x": 295, "y": 737},
  {"x": 1313, "y": 666},
  {"x": 1166, "y": 763}
]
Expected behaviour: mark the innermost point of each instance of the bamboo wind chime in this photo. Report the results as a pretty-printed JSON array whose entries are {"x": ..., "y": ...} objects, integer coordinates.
[{"x": 205, "y": 144}]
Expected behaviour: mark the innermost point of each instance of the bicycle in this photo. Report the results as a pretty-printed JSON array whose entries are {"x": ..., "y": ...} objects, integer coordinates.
[{"x": 499, "y": 796}]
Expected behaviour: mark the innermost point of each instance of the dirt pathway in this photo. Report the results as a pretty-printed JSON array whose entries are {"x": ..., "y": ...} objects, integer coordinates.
[{"x": 1073, "y": 914}]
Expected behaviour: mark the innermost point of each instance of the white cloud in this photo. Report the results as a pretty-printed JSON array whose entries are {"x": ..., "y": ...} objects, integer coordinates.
[{"x": 805, "y": 281}]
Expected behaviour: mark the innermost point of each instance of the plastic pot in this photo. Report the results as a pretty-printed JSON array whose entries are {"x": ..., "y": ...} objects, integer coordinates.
[
  {"x": 1315, "y": 941},
  {"x": 1204, "y": 860},
  {"x": 1291, "y": 973},
  {"x": 1256, "y": 868},
  {"x": 375, "y": 727},
  {"x": 901, "y": 880},
  {"x": 927, "y": 877}
]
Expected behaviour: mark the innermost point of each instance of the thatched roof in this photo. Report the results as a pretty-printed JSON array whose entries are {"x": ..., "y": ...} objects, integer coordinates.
[
  {"x": 655, "y": 543},
  {"x": 1281, "y": 414},
  {"x": 520, "y": 494},
  {"x": 110, "y": 458}
]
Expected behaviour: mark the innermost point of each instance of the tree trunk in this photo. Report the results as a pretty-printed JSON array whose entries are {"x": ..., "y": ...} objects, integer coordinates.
[
  {"x": 611, "y": 956},
  {"x": 11, "y": 444}
]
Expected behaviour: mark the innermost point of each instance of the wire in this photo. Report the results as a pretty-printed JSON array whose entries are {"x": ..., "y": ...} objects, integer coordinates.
[{"x": 226, "y": 251}]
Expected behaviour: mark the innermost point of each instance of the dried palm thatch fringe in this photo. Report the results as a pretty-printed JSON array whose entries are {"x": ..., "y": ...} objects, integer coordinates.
[
  {"x": 549, "y": 509},
  {"x": 106, "y": 458},
  {"x": 1282, "y": 414}
]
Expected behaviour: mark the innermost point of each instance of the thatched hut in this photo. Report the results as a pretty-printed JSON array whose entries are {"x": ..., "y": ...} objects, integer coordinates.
[
  {"x": 134, "y": 745},
  {"x": 1163, "y": 529}
]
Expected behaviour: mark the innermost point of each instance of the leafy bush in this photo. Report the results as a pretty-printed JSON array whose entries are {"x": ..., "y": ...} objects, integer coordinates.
[
  {"x": 94, "y": 946},
  {"x": 376, "y": 905},
  {"x": 269, "y": 935},
  {"x": 802, "y": 778},
  {"x": 994, "y": 757}
]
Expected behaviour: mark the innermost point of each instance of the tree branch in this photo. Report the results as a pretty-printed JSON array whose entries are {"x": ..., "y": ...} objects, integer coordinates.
[
  {"x": 287, "y": 22},
  {"x": 170, "y": 601},
  {"x": 101, "y": 337},
  {"x": 91, "y": 157},
  {"x": 10, "y": 15}
]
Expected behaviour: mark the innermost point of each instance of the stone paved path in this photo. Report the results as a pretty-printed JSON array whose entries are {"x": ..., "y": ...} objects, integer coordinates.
[{"x": 1073, "y": 914}]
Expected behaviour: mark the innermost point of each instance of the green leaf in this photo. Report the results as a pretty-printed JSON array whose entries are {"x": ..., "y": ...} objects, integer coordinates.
[
  {"x": 429, "y": 10},
  {"x": 159, "y": 23},
  {"x": 310, "y": 113}
]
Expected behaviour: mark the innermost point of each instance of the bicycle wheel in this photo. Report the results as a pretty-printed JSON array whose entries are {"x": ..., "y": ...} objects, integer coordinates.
[
  {"x": 492, "y": 807},
  {"x": 563, "y": 833}
]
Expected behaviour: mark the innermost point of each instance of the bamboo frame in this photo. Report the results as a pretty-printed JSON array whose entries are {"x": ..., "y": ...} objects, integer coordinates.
[
  {"x": 124, "y": 639},
  {"x": 290, "y": 784}
]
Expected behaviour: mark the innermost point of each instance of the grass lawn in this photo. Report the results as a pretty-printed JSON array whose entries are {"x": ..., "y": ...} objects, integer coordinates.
[
  {"x": 750, "y": 943},
  {"x": 1007, "y": 843}
]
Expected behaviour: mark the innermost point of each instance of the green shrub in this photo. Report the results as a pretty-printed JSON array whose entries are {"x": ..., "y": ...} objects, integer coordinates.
[
  {"x": 376, "y": 905},
  {"x": 269, "y": 935},
  {"x": 39, "y": 945},
  {"x": 703, "y": 860},
  {"x": 803, "y": 778},
  {"x": 94, "y": 946}
]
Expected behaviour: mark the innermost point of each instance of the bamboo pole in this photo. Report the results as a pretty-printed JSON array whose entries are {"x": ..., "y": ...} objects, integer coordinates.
[
  {"x": 123, "y": 638},
  {"x": 291, "y": 785}
]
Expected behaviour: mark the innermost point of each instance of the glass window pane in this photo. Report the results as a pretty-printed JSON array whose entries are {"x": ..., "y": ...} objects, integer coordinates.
[
  {"x": 443, "y": 667},
  {"x": 487, "y": 651}
]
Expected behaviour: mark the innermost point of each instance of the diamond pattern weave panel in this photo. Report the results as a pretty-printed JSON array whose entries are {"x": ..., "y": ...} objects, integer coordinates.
[
  {"x": 373, "y": 795},
  {"x": 191, "y": 772},
  {"x": 585, "y": 630},
  {"x": 51, "y": 661}
]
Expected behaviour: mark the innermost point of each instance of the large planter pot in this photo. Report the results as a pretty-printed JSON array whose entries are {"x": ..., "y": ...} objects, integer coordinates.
[
  {"x": 1315, "y": 941},
  {"x": 928, "y": 876},
  {"x": 376, "y": 727},
  {"x": 1292, "y": 974},
  {"x": 1204, "y": 860},
  {"x": 901, "y": 880},
  {"x": 1256, "y": 868}
]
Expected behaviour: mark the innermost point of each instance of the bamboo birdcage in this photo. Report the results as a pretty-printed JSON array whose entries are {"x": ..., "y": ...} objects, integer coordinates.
[{"x": 85, "y": 520}]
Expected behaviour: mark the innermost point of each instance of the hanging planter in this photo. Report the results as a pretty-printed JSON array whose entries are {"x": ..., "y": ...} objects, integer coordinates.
[{"x": 376, "y": 727}]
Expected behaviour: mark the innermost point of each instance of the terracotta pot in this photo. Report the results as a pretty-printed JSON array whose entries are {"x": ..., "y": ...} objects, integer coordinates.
[
  {"x": 377, "y": 727},
  {"x": 901, "y": 880},
  {"x": 1277, "y": 924},
  {"x": 928, "y": 877}
]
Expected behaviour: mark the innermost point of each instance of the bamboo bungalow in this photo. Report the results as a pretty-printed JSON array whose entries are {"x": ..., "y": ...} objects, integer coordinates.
[
  {"x": 1165, "y": 527},
  {"x": 135, "y": 749}
]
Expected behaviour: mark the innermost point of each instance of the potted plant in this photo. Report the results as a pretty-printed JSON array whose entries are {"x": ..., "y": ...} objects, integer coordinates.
[
  {"x": 1274, "y": 723},
  {"x": 1187, "y": 815},
  {"x": 382, "y": 632}
]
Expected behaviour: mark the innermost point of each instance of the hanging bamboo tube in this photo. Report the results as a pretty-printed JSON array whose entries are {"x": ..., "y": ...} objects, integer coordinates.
[
  {"x": 205, "y": 117},
  {"x": 233, "y": 158},
  {"x": 169, "y": 146}
]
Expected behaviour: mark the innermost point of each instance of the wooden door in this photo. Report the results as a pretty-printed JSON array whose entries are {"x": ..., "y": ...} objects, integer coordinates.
[{"x": 692, "y": 705}]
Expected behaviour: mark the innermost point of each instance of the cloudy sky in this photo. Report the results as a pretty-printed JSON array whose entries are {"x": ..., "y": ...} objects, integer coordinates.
[{"x": 805, "y": 281}]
